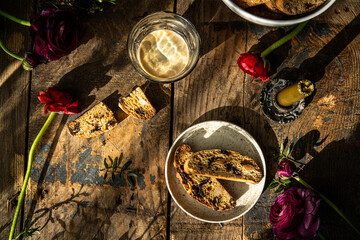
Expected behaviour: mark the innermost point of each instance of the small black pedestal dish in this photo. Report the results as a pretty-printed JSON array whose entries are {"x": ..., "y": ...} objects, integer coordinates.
[{"x": 271, "y": 108}]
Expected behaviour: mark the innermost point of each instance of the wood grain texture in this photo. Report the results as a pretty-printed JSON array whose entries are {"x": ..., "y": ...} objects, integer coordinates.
[
  {"x": 68, "y": 197},
  {"x": 325, "y": 136},
  {"x": 214, "y": 90},
  {"x": 14, "y": 89}
]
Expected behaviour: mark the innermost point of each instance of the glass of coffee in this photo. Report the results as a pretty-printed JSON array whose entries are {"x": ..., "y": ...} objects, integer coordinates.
[{"x": 164, "y": 47}]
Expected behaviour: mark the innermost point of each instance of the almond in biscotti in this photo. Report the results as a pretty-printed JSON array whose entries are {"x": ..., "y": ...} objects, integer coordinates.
[
  {"x": 295, "y": 7},
  {"x": 93, "y": 122},
  {"x": 223, "y": 164},
  {"x": 137, "y": 105},
  {"x": 206, "y": 190}
]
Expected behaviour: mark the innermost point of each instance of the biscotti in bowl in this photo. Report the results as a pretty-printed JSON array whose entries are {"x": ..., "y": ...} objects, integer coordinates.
[
  {"x": 278, "y": 13},
  {"x": 194, "y": 193}
]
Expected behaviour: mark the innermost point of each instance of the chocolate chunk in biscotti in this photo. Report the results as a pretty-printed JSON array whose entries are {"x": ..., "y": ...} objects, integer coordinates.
[
  {"x": 206, "y": 190},
  {"x": 137, "y": 105},
  {"x": 295, "y": 7},
  {"x": 93, "y": 122},
  {"x": 223, "y": 164}
]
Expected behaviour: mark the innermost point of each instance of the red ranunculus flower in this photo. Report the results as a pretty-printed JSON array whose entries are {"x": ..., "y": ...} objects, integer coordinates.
[
  {"x": 58, "y": 101},
  {"x": 254, "y": 65},
  {"x": 294, "y": 214},
  {"x": 54, "y": 33},
  {"x": 285, "y": 169}
]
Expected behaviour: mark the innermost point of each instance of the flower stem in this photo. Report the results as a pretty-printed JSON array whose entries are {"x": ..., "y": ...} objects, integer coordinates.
[
  {"x": 321, "y": 236},
  {"x": 15, "y": 19},
  {"x": 9, "y": 52},
  {"x": 28, "y": 170},
  {"x": 283, "y": 40},
  {"x": 331, "y": 204}
]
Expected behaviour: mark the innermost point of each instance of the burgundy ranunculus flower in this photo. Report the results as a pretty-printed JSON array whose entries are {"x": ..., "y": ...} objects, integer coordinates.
[
  {"x": 58, "y": 101},
  {"x": 286, "y": 169},
  {"x": 294, "y": 214},
  {"x": 254, "y": 65},
  {"x": 54, "y": 33}
]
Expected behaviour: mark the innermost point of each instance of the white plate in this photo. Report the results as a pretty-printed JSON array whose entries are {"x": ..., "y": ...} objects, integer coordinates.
[
  {"x": 221, "y": 135},
  {"x": 278, "y": 23}
]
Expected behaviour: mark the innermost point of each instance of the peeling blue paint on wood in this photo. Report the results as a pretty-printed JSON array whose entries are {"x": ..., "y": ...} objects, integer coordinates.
[
  {"x": 152, "y": 179},
  {"x": 141, "y": 182}
]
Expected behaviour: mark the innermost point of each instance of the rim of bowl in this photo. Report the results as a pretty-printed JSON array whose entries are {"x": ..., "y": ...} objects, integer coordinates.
[
  {"x": 262, "y": 158},
  {"x": 197, "y": 58},
  {"x": 276, "y": 23}
]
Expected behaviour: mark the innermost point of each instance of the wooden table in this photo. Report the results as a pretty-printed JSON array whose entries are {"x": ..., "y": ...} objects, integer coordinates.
[{"x": 67, "y": 196}]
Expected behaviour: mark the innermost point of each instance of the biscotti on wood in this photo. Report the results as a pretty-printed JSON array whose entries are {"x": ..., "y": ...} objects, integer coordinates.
[
  {"x": 206, "y": 190},
  {"x": 137, "y": 105},
  {"x": 93, "y": 122},
  {"x": 295, "y": 7},
  {"x": 223, "y": 164}
]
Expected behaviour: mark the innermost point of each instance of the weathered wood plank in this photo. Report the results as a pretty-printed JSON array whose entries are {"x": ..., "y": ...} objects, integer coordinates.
[
  {"x": 333, "y": 111},
  {"x": 14, "y": 89},
  {"x": 327, "y": 53},
  {"x": 69, "y": 197},
  {"x": 214, "y": 90}
]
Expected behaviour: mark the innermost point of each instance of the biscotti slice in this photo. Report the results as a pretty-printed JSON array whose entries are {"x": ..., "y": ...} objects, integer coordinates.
[
  {"x": 206, "y": 190},
  {"x": 272, "y": 6},
  {"x": 137, "y": 105},
  {"x": 295, "y": 7},
  {"x": 223, "y": 164},
  {"x": 249, "y": 3},
  {"x": 95, "y": 121}
]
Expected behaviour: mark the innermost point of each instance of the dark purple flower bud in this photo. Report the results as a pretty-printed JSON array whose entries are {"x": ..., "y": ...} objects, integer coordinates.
[
  {"x": 286, "y": 169},
  {"x": 54, "y": 33},
  {"x": 294, "y": 214},
  {"x": 33, "y": 59}
]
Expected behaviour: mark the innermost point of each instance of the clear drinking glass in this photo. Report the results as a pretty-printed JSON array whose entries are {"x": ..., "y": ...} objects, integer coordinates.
[{"x": 164, "y": 21}]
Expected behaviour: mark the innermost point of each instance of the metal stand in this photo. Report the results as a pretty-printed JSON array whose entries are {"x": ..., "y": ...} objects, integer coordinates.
[{"x": 270, "y": 107}]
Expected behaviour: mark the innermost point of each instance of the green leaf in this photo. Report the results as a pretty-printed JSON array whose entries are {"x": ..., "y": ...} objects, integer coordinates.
[
  {"x": 105, "y": 175},
  {"x": 130, "y": 181},
  {"x": 286, "y": 182},
  {"x": 280, "y": 189},
  {"x": 281, "y": 148},
  {"x": 133, "y": 175},
  {"x": 273, "y": 185},
  {"x": 126, "y": 165},
  {"x": 279, "y": 158},
  {"x": 287, "y": 151},
  {"x": 105, "y": 164},
  {"x": 113, "y": 177},
  {"x": 115, "y": 163}
]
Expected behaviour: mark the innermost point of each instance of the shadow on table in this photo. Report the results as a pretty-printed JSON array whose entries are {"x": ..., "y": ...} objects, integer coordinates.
[
  {"x": 277, "y": 57},
  {"x": 209, "y": 28},
  {"x": 334, "y": 171},
  {"x": 253, "y": 123},
  {"x": 314, "y": 68}
]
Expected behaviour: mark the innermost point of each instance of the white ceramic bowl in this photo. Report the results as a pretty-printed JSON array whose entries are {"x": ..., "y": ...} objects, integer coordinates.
[
  {"x": 221, "y": 135},
  {"x": 277, "y": 23}
]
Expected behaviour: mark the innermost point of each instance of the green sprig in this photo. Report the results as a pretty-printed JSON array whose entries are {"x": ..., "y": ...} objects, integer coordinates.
[{"x": 115, "y": 165}]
